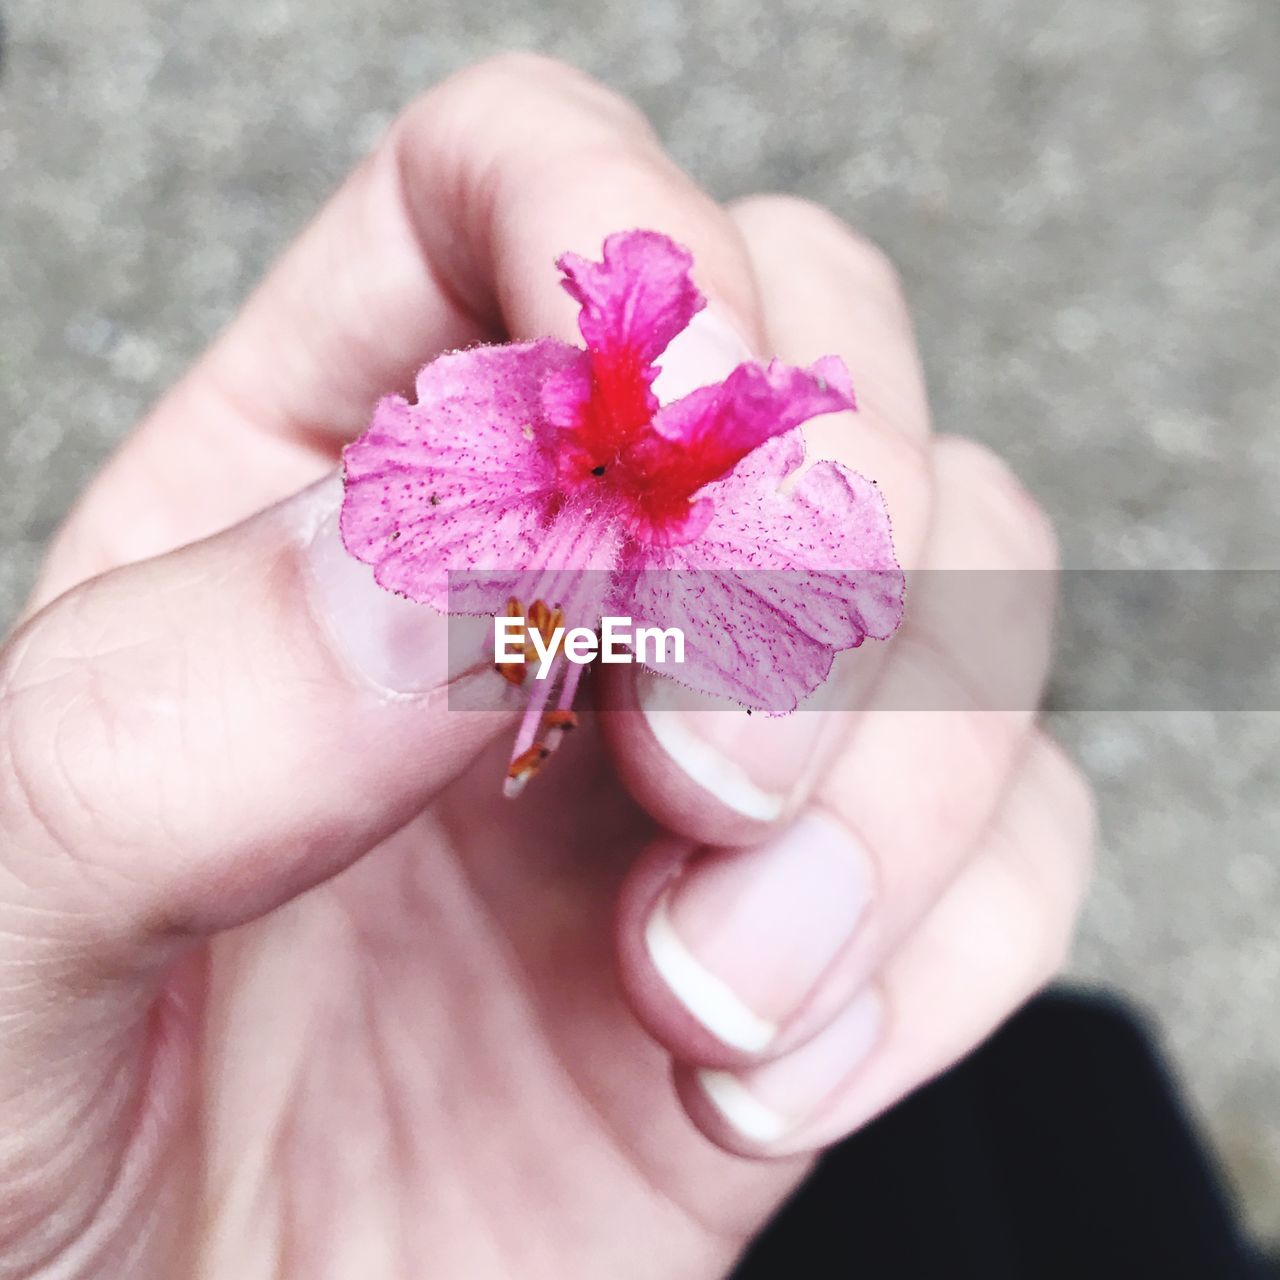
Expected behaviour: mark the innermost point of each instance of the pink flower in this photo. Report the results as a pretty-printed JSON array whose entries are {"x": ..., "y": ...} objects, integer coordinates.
[{"x": 551, "y": 474}]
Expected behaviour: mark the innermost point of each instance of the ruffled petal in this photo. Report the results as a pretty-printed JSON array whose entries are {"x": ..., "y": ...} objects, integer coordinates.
[
  {"x": 633, "y": 303},
  {"x": 463, "y": 479},
  {"x": 699, "y": 438},
  {"x": 755, "y": 403},
  {"x": 777, "y": 583},
  {"x": 637, "y": 299}
]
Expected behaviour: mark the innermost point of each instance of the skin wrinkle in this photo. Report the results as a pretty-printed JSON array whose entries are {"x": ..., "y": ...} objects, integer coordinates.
[
  {"x": 486, "y": 322},
  {"x": 508, "y": 1252},
  {"x": 92, "y": 825},
  {"x": 296, "y": 1246},
  {"x": 519, "y": 977},
  {"x": 513, "y": 970},
  {"x": 395, "y": 1116},
  {"x": 280, "y": 582},
  {"x": 412, "y": 145},
  {"x": 220, "y": 1195},
  {"x": 45, "y": 787},
  {"x": 33, "y": 806},
  {"x": 162, "y": 1109},
  {"x": 93, "y": 1103},
  {"x": 94, "y": 698},
  {"x": 29, "y": 887},
  {"x": 11, "y": 661}
]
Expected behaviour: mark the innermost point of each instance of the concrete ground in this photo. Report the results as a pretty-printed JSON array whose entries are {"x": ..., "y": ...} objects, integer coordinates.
[{"x": 1082, "y": 198}]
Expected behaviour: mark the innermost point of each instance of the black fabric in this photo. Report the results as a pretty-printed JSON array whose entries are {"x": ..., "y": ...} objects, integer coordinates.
[{"x": 1058, "y": 1151}]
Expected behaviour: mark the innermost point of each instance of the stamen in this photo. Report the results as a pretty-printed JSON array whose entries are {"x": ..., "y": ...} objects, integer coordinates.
[
  {"x": 541, "y": 618},
  {"x": 514, "y": 672},
  {"x": 522, "y": 768},
  {"x": 541, "y": 730}
]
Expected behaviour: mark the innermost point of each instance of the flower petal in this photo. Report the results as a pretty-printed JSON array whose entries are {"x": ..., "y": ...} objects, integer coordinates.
[
  {"x": 777, "y": 583},
  {"x": 742, "y": 639},
  {"x": 637, "y": 299},
  {"x": 464, "y": 478},
  {"x": 697, "y": 439},
  {"x": 568, "y": 567},
  {"x": 633, "y": 303}
]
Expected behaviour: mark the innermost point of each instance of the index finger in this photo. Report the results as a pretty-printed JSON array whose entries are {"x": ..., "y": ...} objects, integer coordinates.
[{"x": 444, "y": 236}]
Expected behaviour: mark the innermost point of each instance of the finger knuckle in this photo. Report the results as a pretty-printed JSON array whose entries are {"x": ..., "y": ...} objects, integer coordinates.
[
  {"x": 905, "y": 462},
  {"x": 470, "y": 138},
  {"x": 37, "y": 794},
  {"x": 1047, "y": 855},
  {"x": 813, "y": 228},
  {"x": 62, "y": 731},
  {"x": 1000, "y": 927},
  {"x": 870, "y": 264},
  {"x": 506, "y": 76},
  {"x": 777, "y": 210},
  {"x": 531, "y": 88},
  {"x": 1072, "y": 800},
  {"x": 1058, "y": 939},
  {"x": 1009, "y": 507},
  {"x": 1040, "y": 925}
]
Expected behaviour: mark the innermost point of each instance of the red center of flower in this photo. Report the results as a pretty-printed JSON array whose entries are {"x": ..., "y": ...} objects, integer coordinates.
[
  {"x": 619, "y": 409},
  {"x": 613, "y": 446}
]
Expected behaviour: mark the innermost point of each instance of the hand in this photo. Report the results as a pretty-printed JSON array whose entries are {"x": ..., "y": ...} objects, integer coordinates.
[{"x": 287, "y": 990}]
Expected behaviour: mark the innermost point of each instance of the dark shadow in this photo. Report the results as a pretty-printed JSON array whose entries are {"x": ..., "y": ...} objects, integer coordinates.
[{"x": 1059, "y": 1150}]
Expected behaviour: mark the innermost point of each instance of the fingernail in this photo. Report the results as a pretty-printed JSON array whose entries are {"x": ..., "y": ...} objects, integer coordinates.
[
  {"x": 707, "y": 351},
  {"x": 752, "y": 764},
  {"x": 766, "y": 1103},
  {"x": 397, "y": 645},
  {"x": 745, "y": 935}
]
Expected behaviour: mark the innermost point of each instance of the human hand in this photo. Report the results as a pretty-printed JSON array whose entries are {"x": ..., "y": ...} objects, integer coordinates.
[{"x": 285, "y": 989}]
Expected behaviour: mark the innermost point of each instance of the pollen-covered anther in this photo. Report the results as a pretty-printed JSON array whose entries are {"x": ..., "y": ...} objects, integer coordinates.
[
  {"x": 514, "y": 672},
  {"x": 542, "y": 618},
  {"x": 556, "y": 724},
  {"x": 523, "y": 767}
]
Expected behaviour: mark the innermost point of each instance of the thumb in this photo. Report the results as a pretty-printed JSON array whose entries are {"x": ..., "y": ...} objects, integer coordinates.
[
  {"x": 192, "y": 741},
  {"x": 185, "y": 744}
]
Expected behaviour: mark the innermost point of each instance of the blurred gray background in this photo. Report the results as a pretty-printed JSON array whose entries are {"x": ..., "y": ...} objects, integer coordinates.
[{"x": 1082, "y": 198}]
